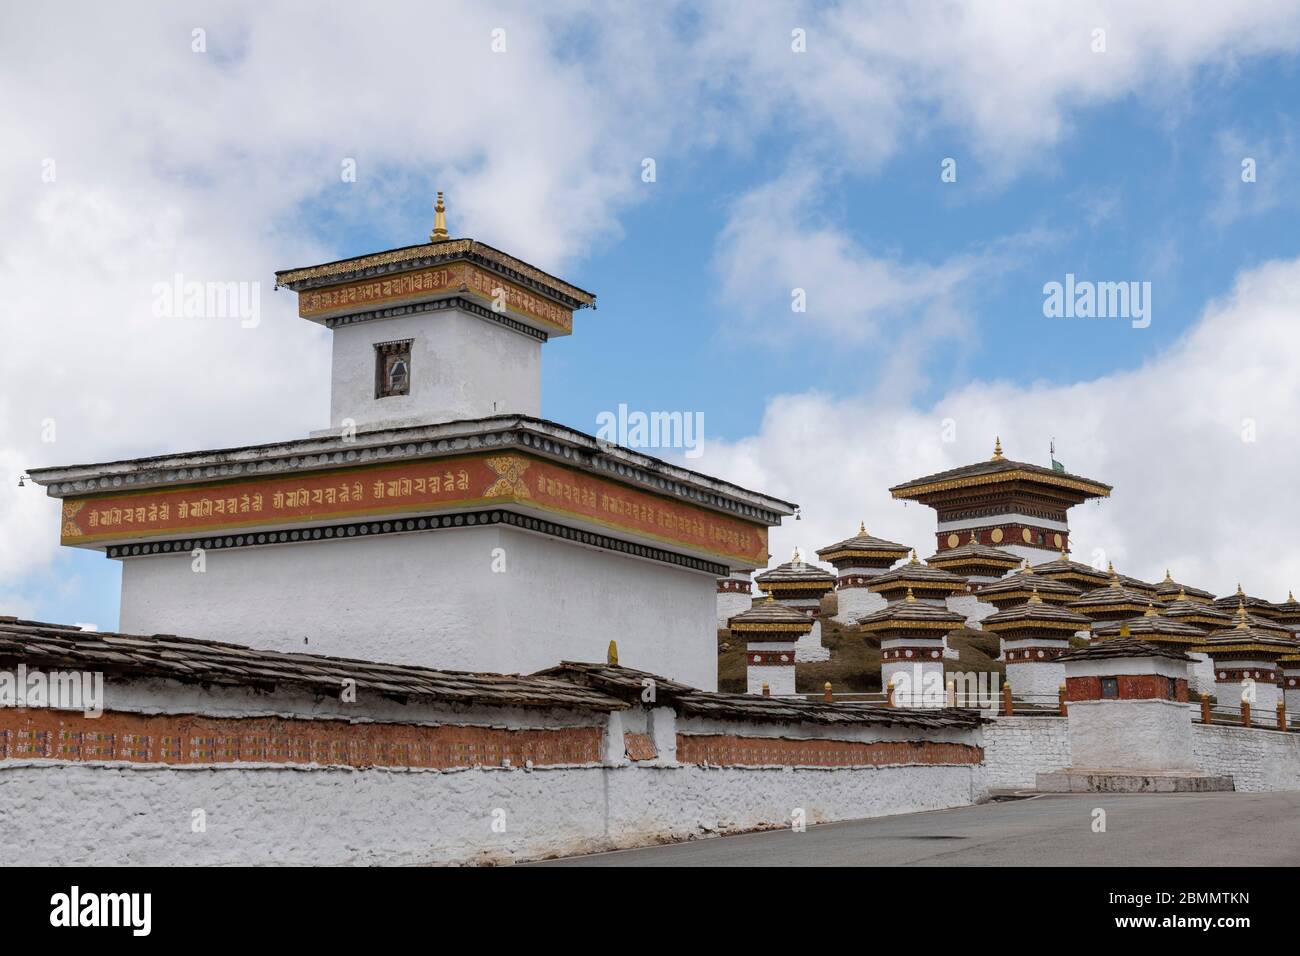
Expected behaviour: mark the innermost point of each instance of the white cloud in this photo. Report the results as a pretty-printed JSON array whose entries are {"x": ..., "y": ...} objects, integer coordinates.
[{"x": 1190, "y": 494}]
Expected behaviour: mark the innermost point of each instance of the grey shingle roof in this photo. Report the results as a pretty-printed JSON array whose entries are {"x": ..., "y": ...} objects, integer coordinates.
[
  {"x": 629, "y": 683},
  {"x": 195, "y": 661},
  {"x": 864, "y": 542},
  {"x": 1124, "y": 647}
]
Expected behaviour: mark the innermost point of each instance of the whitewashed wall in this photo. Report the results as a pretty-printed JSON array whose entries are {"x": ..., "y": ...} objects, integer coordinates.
[
  {"x": 433, "y": 599},
  {"x": 462, "y": 366},
  {"x": 1018, "y": 748},
  {"x": 1258, "y": 760},
  {"x": 293, "y": 816}
]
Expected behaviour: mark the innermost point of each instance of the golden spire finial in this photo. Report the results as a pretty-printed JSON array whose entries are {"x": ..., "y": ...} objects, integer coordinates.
[
  {"x": 997, "y": 449},
  {"x": 795, "y": 558},
  {"x": 1114, "y": 575},
  {"x": 1182, "y": 594},
  {"x": 1151, "y": 610},
  {"x": 911, "y": 598},
  {"x": 611, "y": 656},
  {"x": 1034, "y": 598},
  {"x": 915, "y": 559},
  {"x": 862, "y": 527},
  {"x": 770, "y": 600},
  {"x": 439, "y": 221},
  {"x": 1240, "y": 592},
  {"x": 1290, "y": 597},
  {"x": 1169, "y": 578}
]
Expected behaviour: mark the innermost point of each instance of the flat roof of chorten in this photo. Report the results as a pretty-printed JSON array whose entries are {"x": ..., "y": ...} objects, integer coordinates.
[
  {"x": 770, "y": 612},
  {"x": 1063, "y": 565},
  {"x": 1151, "y": 624},
  {"x": 1248, "y": 639},
  {"x": 998, "y": 470},
  {"x": 1027, "y": 581},
  {"x": 864, "y": 542},
  {"x": 914, "y": 570},
  {"x": 1230, "y": 602},
  {"x": 911, "y": 612},
  {"x": 795, "y": 572},
  {"x": 1178, "y": 609},
  {"x": 1123, "y": 647},
  {"x": 429, "y": 253},
  {"x": 1112, "y": 594},
  {"x": 1169, "y": 589},
  {"x": 1032, "y": 611}
]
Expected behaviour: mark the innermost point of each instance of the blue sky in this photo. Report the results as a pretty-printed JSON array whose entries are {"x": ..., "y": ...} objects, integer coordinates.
[{"x": 772, "y": 171}]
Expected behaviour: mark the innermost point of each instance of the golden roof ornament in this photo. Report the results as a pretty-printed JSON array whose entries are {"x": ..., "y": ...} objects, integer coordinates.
[
  {"x": 611, "y": 655},
  {"x": 862, "y": 527},
  {"x": 1290, "y": 597},
  {"x": 1169, "y": 578},
  {"x": 439, "y": 233},
  {"x": 973, "y": 539},
  {"x": 1034, "y": 598},
  {"x": 1182, "y": 594},
  {"x": 1114, "y": 575},
  {"x": 1124, "y": 631},
  {"x": 997, "y": 449},
  {"x": 915, "y": 559},
  {"x": 911, "y": 598},
  {"x": 1151, "y": 610},
  {"x": 795, "y": 558}
]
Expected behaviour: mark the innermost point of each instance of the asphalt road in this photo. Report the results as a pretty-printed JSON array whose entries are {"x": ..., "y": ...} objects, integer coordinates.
[{"x": 1226, "y": 829}]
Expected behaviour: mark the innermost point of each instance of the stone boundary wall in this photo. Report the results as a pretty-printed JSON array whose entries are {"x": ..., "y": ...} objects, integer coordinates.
[
  {"x": 1016, "y": 749},
  {"x": 1259, "y": 760}
]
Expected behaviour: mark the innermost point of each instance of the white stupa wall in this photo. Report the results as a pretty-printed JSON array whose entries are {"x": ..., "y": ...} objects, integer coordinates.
[
  {"x": 971, "y": 608},
  {"x": 490, "y": 598},
  {"x": 1263, "y": 709},
  {"x": 915, "y": 678},
  {"x": 1037, "y": 683},
  {"x": 1200, "y": 674},
  {"x": 855, "y": 603},
  {"x": 1130, "y": 734},
  {"x": 1291, "y": 689},
  {"x": 731, "y": 603},
  {"x": 809, "y": 647},
  {"x": 1143, "y": 735},
  {"x": 462, "y": 366},
  {"x": 779, "y": 678}
]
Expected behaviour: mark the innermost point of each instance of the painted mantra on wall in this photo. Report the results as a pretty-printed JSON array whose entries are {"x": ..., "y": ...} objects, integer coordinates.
[
  {"x": 420, "y": 487},
  {"x": 426, "y": 283}
]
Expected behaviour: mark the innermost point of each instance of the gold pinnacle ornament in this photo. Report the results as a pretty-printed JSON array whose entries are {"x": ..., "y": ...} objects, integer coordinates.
[{"x": 439, "y": 233}]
